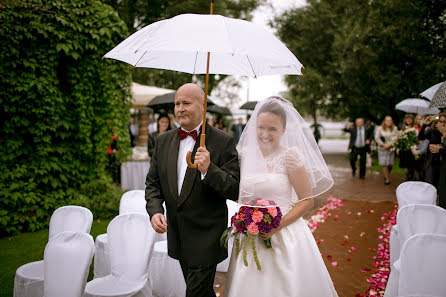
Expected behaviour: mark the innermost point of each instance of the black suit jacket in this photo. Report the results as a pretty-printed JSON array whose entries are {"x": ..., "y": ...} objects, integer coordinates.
[
  {"x": 197, "y": 217},
  {"x": 353, "y": 134}
]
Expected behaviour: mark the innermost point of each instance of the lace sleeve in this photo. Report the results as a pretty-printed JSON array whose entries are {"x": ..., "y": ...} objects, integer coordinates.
[{"x": 293, "y": 161}]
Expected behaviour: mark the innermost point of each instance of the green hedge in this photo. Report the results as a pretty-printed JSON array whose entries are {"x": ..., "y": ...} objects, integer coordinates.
[{"x": 60, "y": 102}]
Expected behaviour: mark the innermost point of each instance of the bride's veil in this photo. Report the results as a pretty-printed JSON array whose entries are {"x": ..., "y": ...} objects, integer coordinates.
[{"x": 301, "y": 153}]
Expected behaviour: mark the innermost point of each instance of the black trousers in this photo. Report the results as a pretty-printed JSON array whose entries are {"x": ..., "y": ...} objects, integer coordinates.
[
  {"x": 199, "y": 280},
  {"x": 362, "y": 152}
]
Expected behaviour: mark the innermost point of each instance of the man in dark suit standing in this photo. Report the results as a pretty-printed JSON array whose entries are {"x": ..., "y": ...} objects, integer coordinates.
[
  {"x": 195, "y": 199},
  {"x": 360, "y": 138}
]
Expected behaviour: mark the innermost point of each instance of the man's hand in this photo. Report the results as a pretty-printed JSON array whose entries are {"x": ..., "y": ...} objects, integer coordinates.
[
  {"x": 202, "y": 159},
  {"x": 159, "y": 223},
  {"x": 434, "y": 148}
]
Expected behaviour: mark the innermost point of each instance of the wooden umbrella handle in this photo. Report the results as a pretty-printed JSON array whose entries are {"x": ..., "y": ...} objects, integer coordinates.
[{"x": 203, "y": 127}]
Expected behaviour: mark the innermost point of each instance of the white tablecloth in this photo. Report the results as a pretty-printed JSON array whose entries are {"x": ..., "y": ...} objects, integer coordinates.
[{"x": 133, "y": 175}]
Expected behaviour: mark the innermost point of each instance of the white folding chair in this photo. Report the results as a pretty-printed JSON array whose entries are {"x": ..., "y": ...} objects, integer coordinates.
[
  {"x": 67, "y": 261},
  {"x": 416, "y": 192},
  {"x": 233, "y": 208},
  {"x": 133, "y": 201},
  {"x": 423, "y": 266},
  {"x": 414, "y": 219},
  {"x": 407, "y": 193},
  {"x": 28, "y": 281},
  {"x": 130, "y": 240},
  {"x": 165, "y": 273}
]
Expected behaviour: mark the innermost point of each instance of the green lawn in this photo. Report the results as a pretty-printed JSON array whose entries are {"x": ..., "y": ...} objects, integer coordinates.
[
  {"x": 376, "y": 167},
  {"x": 28, "y": 247}
]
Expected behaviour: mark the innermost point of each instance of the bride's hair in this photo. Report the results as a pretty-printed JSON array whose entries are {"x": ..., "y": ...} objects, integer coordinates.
[{"x": 274, "y": 108}]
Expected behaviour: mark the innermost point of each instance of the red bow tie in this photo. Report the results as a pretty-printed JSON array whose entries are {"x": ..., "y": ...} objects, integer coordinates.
[{"x": 183, "y": 134}]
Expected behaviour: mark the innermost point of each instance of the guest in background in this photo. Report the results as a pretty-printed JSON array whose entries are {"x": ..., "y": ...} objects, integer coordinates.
[
  {"x": 173, "y": 121},
  {"x": 237, "y": 129},
  {"x": 220, "y": 124},
  {"x": 441, "y": 126},
  {"x": 113, "y": 163},
  {"x": 419, "y": 118},
  {"x": 163, "y": 124},
  {"x": 430, "y": 131},
  {"x": 133, "y": 131},
  {"x": 407, "y": 159},
  {"x": 210, "y": 122},
  {"x": 386, "y": 136},
  {"x": 360, "y": 138}
]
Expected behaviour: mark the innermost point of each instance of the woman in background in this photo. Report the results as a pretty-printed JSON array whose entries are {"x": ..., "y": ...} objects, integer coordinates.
[
  {"x": 407, "y": 159},
  {"x": 163, "y": 124},
  {"x": 386, "y": 136}
]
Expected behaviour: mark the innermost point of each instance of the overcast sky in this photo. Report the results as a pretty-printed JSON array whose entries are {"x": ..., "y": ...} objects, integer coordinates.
[{"x": 265, "y": 86}]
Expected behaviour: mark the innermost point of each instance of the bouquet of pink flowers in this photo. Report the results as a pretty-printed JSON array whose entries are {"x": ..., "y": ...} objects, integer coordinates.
[{"x": 256, "y": 216}]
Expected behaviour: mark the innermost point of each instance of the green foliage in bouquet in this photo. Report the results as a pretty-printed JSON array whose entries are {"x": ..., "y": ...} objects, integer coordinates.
[
  {"x": 59, "y": 102},
  {"x": 406, "y": 140}
]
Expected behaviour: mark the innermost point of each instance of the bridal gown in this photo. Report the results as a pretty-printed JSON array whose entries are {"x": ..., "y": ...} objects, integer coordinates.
[{"x": 293, "y": 266}]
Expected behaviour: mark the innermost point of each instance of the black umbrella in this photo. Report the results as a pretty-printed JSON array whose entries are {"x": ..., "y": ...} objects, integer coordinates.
[
  {"x": 249, "y": 105},
  {"x": 166, "y": 102},
  {"x": 219, "y": 110},
  {"x": 439, "y": 99}
]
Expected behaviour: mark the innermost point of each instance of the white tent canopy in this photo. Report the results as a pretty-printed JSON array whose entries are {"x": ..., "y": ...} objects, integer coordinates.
[{"x": 143, "y": 94}]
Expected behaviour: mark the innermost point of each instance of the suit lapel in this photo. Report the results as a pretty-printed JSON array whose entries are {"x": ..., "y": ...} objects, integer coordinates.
[
  {"x": 191, "y": 173},
  {"x": 172, "y": 160}
]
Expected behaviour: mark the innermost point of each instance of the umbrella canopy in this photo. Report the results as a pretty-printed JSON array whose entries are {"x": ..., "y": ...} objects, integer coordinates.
[
  {"x": 429, "y": 93},
  {"x": 219, "y": 110},
  {"x": 142, "y": 94},
  {"x": 413, "y": 105},
  {"x": 249, "y": 105},
  {"x": 439, "y": 99},
  {"x": 166, "y": 102},
  {"x": 181, "y": 43}
]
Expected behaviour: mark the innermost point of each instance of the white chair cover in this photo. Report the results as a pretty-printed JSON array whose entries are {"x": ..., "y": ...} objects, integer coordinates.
[
  {"x": 67, "y": 261},
  {"x": 101, "y": 256},
  {"x": 130, "y": 239},
  {"x": 165, "y": 273},
  {"x": 233, "y": 207},
  {"x": 423, "y": 266},
  {"x": 411, "y": 220},
  {"x": 28, "y": 281},
  {"x": 416, "y": 192},
  {"x": 133, "y": 201},
  {"x": 394, "y": 245}
]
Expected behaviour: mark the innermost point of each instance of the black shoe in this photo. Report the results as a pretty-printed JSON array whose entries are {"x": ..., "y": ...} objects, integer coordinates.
[
  {"x": 354, "y": 172},
  {"x": 387, "y": 182},
  {"x": 362, "y": 177}
]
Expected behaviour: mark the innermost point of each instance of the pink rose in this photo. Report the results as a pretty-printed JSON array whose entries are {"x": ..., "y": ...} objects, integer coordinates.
[
  {"x": 257, "y": 216},
  {"x": 253, "y": 229},
  {"x": 272, "y": 211}
]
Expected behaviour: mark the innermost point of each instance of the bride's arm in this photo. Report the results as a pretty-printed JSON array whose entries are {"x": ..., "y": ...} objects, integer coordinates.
[{"x": 299, "y": 180}]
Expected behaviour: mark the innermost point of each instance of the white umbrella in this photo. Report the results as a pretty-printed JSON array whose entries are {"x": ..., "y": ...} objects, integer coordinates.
[
  {"x": 429, "y": 93},
  {"x": 210, "y": 44},
  {"x": 413, "y": 105},
  {"x": 181, "y": 43},
  {"x": 143, "y": 94}
]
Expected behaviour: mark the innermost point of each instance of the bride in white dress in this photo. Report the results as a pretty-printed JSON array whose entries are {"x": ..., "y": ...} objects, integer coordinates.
[{"x": 280, "y": 161}]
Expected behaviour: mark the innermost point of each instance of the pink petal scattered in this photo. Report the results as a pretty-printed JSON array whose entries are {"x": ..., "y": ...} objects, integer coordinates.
[{"x": 335, "y": 263}]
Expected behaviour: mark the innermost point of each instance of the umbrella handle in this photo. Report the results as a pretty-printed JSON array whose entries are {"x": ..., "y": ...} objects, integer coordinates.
[{"x": 189, "y": 154}]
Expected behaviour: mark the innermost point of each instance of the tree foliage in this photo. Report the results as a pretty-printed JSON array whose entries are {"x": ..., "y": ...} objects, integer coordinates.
[
  {"x": 363, "y": 57},
  {"x": 140, "y": 13},
  {"x": 59, "y": 104}
]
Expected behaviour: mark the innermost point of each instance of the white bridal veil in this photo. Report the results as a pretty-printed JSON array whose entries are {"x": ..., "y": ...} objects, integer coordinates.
[{"x": 298, "y": 155}]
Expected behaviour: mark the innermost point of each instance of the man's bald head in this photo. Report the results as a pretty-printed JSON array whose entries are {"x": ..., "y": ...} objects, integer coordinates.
[
  {"x": 189, "y": 100},
  {"x": 192, "y": 90}
]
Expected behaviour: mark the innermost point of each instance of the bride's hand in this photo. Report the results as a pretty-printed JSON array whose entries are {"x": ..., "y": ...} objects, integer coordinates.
[{"x": 268, "y": 235}]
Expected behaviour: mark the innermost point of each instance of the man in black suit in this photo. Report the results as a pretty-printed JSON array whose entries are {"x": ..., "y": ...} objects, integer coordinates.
[
  {"x": 195, "y": 199},
  {"x": 360, "y": 138}
]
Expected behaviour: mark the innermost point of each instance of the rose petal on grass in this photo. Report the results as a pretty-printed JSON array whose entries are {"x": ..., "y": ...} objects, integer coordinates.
[{"x": 335, "y": 263}]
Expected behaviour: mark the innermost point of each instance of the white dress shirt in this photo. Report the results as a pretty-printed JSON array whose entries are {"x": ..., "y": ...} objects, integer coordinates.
[
  {"x": 186, "y": 145},
  {"x": 360, "y": 137}
]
